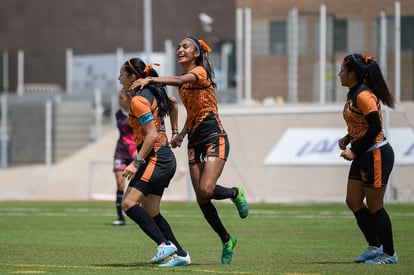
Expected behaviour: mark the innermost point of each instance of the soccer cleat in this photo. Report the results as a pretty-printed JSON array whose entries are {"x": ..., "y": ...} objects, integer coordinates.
[
  {"x": 228, "y": 247},
  {"x": 118, "y": 222},
  {"x": 241, "y": 203},
  {"x": 370, "y": 253},
  {"x": 163, "y": 251},
  {"x": 384, "y": 258},
  {"x": 177, "y": 261}
]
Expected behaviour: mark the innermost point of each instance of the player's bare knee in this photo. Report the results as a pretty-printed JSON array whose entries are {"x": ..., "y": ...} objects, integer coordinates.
[
  {"x": 126, "y": 205},
  {"x": 205, "y": 193}
]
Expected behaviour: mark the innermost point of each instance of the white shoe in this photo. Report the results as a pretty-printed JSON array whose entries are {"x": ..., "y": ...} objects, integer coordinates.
[
  {"x": 177, "y": 261},
  {"x": 118, "y": 222},
  {"x": 163, "y": 251},
  {"x": 370, "y": 253},
  {"x": 384, "y": 259}
]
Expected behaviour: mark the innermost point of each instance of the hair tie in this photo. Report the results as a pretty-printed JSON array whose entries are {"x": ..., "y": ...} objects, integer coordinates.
[
  {"x": 204, "y": 45},
  {"x": 148, "y": 68},
  {"x": 367, "y": 58},
  {"x": 133, "y": 68}
]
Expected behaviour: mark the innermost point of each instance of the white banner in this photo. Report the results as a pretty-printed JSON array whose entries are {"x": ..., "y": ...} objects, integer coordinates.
[
  {"x": 319, "y": 146},
  {"x": 92, "y": 71}
]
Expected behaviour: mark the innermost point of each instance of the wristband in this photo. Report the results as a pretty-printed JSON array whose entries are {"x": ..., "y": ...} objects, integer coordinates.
[
  {"x": 136, "y": 164},
  {"x": 138, "y": 161},
  {"x": 182, "y": 134}
]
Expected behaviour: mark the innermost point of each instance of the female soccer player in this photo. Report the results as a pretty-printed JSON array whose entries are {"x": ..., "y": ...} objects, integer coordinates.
[
  {"x": 208, "y": 144},
  {"x": 371, "y": 154},
  {"x": 155, "y": 164}
]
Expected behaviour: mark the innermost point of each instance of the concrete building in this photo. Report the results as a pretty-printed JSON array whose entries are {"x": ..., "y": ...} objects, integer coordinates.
[
  {"x": 44, "y": 29},
  {"x": 352, "y": 26}
]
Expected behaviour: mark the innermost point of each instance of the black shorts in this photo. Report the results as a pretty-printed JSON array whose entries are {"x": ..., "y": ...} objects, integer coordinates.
[
  {"x": 156, "y": 174},
  {"x": 216, "y": 146},
  {"x": 373, "y": 168}
]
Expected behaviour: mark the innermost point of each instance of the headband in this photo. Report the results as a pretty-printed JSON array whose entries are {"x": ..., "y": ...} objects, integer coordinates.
[
  {"x": 133, "y": 68},
  {"x": 146, "y": 69},
  {"x": 200, "y": 43},
  {"x": 360, "y": 67}
]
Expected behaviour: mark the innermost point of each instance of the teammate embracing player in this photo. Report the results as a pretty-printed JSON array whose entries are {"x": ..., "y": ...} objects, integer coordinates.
[{"x": 208, "y": 144}]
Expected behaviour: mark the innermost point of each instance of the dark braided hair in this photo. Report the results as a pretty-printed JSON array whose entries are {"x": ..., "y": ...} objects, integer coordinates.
[
  {"x": 369, "y": 72},
  {"x": 137, "y": 67}
]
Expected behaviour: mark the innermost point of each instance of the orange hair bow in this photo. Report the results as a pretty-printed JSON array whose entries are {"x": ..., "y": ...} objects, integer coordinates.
[
  {"x": 148, "y": 68},
  {"x": 204, "y": 45},
  {"x": 367, "y": 58}
]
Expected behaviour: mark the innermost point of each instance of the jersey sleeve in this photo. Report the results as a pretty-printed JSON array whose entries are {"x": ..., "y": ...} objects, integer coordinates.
[
  {"x": 201, "y": 75},
  {"x": 367, "y": 102},
  {"x": 141, "y": 108}
]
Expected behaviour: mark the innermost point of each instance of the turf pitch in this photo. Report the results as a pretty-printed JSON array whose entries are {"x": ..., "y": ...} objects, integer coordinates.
[{"x": 290, "y": 239}]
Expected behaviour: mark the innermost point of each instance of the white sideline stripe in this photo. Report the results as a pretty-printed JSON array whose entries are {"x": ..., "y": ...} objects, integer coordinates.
[
  {"x": 278, "y": 111},
  {"x": 105, "y": 197},
  {"x": 252, "y": 213}
]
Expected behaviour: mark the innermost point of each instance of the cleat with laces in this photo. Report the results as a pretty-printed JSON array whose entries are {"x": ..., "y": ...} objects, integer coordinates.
[
  {"x": 370, "y": 253},
  {"x": 228, "y": 247},
  {"x": 177, "y": 261},
  {"x": 163, "y": 251},
  {"x": 241, "y": 203},
  {"x": 384, "y": 258}
]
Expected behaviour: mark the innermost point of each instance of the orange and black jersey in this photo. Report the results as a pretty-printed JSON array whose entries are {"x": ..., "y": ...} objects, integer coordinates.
[
  {"x": 144, "y": 109},
  {"x": 363, "y": 116},
  {"x": 199, "y": 99}
]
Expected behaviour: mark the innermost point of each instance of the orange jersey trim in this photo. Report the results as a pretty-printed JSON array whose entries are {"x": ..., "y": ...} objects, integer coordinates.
[
  {"x": 222, "y": 147},
  {"x": 149, "y": 170},
  {"x": 377, "y": 168}
]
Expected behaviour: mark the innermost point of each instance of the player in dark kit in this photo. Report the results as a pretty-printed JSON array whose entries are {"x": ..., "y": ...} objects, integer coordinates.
[{"x": 124, "y": 151}]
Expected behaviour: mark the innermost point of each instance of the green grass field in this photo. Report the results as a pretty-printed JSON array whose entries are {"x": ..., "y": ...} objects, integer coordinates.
[{"x": 78, "y": 238}]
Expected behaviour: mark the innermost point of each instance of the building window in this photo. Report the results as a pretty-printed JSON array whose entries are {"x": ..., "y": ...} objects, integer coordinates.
[
  {"x": 340, "y": 35},
  {"x": 407, "y": 33},
  {"x": 278, "y": 38},
  {"x": 260, "y": 38}
]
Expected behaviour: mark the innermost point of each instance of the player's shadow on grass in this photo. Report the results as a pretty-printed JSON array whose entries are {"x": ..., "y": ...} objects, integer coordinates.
[
  {"x": 135, "y": 264},
  {"x": 330, "y": 262}
]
